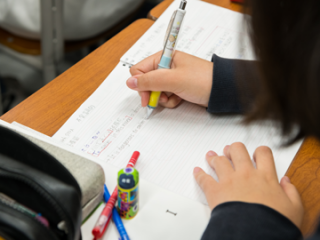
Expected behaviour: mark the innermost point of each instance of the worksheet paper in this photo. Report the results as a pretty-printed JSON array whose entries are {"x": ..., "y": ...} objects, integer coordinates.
[
  {"x": 111, "y": 124},
  {"x": 173, "y": 216},
  {"x": 206, "y": 30}
]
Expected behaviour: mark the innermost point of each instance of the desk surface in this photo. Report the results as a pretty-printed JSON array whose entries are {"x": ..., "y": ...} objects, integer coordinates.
[
  {"x": 49, "y": 108},
  {"x": 155, "y": 13}
]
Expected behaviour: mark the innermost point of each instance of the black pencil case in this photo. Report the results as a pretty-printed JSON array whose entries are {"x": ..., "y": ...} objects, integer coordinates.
[{"x": 36, "y": 181}]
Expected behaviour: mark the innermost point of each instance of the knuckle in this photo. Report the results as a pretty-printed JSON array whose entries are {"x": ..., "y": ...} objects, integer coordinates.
[
  {"x": 172, "y": 79},
  {"x": 178, "y": 100},
  {"x": 158, "y": 54},
  {"x": 200, "y": 179},
  {"x": 218, "y": 160},
  {"x": 271, "y": 178},
  {"x": 144, "y": 82},
  {"x": 133, "y": 70},
  {"x": 203, "y": 181},
  {"x": 172, "y": 103},
  {"x": 206, "y": 185},
  {"x": 246, "y": 174}
]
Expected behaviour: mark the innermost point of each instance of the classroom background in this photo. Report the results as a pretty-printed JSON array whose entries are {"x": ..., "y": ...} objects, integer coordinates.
[{"x": 22, "y": 68}]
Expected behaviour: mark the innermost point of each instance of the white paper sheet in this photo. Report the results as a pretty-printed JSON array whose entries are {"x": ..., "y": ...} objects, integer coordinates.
[
  {"x": 110, "y": 125},
  {"x": 206, "y": 29},
  {"x": 162, "y": 214}
]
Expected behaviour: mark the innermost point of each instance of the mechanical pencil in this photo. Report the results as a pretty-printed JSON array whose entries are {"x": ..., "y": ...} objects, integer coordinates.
[{"x": 168, "y": 50}]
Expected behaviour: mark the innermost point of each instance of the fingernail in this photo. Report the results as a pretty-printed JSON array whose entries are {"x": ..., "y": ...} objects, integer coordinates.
[
  {"x": 196, "y": 170},
  {"x": 287, "y": 179},
  {"x": 132, "y": 82},
  {"x": 211, "y": 154},
  {"x": 226, "y": 147}
]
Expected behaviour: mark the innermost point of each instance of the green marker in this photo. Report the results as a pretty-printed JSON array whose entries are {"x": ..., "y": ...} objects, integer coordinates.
[{"x": 128, "y": 194}]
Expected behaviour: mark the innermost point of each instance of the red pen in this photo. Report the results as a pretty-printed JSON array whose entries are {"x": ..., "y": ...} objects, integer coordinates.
[
  {"x": 105, "y": 216},
  {"x": 133, "y": 159}
]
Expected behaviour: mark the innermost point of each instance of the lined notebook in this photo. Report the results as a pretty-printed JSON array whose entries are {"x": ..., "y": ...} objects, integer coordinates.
[
  {"x": 206, "y": 29},
  {"x": 111, "y": 123}
]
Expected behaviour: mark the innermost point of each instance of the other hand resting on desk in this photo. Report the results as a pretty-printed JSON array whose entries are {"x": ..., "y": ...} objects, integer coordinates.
[{"x": 245, "y": 183}]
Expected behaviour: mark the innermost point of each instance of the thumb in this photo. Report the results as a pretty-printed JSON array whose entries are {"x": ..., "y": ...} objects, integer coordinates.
[
  {"x": 157, "y": 80},
  {"x": 291, "y": 191}
]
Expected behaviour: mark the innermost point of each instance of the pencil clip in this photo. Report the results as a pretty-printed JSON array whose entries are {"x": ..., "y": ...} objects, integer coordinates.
[{"x": 166, "y": 36}]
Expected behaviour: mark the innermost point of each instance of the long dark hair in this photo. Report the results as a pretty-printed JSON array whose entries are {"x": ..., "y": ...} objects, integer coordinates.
[{"x": 286, "y": 39}]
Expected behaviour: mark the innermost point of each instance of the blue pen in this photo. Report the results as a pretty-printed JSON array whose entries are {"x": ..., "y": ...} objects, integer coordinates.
[{"x": 116, "y": 217}]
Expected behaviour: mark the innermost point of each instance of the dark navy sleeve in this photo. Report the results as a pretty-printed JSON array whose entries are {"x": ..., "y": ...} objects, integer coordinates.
[
  {"x": 248, "y": 221},
  {"x": 233, "y": 85}
]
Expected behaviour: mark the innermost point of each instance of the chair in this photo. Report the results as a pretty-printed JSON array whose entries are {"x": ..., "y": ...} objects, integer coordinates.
[{"x": 51, "y": 47}]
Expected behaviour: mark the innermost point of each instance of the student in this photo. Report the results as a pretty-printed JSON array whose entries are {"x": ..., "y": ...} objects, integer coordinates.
[{"x": 284, "y": 85}]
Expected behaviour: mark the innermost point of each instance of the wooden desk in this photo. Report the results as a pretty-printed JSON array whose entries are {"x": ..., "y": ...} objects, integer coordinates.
[
  {"x": 49, "y": 108},
  {"x": 155, "y": 13}
]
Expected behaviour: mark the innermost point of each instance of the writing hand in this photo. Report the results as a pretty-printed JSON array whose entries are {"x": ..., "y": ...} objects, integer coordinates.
[
  {"x": 190, "y": 78},
  {"x": 245, "y": 183}
]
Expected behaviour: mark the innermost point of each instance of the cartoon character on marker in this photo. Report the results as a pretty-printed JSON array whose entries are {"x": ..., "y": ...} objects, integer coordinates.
[
  {"x": 123, "y": 195},
  {"x": 133, "y": 208},
  {"x": 126, "y": 181},
  {"x": 124, "y": 206}
]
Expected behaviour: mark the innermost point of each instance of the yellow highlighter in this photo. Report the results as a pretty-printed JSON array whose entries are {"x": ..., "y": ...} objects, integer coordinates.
[{"x": 168, "y": 50}]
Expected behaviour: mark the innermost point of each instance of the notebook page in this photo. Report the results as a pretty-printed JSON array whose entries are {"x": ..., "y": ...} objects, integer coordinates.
[
  {"x": 110, "y": 125},
  {"x": 206, "y": 30},
  {"x": 182, "y": 225}
]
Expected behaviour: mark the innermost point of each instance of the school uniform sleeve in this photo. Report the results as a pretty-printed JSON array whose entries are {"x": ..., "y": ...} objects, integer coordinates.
[
  {"x": 248, "y": 221},
  {"x": 234, "y": 85}
]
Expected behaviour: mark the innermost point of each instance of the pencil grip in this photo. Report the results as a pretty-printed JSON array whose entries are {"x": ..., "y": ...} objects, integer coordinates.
[
  {"x": 165, "y": 62},
  {"x": 154, "y": 98}
]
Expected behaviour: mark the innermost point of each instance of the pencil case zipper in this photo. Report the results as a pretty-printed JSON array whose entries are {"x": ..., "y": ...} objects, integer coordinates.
[{"x": 38, "y": 189}]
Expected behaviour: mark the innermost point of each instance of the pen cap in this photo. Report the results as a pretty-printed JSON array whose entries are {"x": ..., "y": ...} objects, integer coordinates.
[
  {"x": 183, "y": 4},
  {"x": 128, "y": 192}
]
